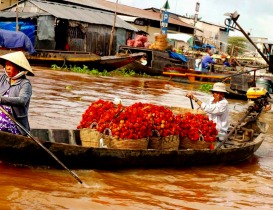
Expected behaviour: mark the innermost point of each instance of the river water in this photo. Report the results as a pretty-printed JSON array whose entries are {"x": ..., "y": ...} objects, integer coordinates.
[{"x": 58, "y": 101}]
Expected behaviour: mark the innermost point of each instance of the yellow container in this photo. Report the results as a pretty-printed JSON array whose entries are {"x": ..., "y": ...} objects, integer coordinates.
[{"x": 256, "y": 92}]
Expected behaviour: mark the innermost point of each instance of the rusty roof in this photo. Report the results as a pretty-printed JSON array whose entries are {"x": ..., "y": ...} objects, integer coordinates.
[
  {"x": 126, "y": 10},
  {"x": 71, "y": 12}
]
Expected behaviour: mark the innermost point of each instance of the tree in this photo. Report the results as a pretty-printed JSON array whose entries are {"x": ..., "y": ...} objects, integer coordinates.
[{"x": 239, "y": 43}]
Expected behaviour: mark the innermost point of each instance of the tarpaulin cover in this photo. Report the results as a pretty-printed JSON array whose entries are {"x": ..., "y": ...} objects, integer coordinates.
[
  {"x": 178, "y": 56},
  {"x": 208, "y": 46},
  {"x": 13, "y": 39}
]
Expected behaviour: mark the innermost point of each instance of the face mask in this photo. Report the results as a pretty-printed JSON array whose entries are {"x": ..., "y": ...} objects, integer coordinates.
[{"x": 21, "y": 73}]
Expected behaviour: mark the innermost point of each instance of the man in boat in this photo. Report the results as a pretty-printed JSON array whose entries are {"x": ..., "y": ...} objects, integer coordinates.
[
  {"x": 15, "y": 92},
  {"x": 207, "y": 61},
  {"x": 216, "y": 108},
  {"x": 198, "y": 62}
]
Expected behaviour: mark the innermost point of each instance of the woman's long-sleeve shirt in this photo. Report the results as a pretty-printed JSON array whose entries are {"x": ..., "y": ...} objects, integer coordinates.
[
  {"x": 19, "y": 98},
  {"x": 218, "y": 113}
]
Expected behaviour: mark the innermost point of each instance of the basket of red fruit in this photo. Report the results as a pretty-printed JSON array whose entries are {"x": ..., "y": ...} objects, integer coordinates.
[{"x": 196, "y": 131}]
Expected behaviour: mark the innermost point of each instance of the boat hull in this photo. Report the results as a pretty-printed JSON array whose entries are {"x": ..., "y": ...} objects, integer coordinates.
[
  {"x": 24, "y": 151},
  {"x": 67, "y": 58}
]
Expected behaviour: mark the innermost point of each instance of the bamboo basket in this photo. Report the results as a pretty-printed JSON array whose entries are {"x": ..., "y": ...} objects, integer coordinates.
[
  {"x": 163, "y": 143},
  {"x": 118, "y": 143},
  {"x": 90, "y": 137},
  {"x": 186, "y": 143},
  {"x": 106, "y": 138}
]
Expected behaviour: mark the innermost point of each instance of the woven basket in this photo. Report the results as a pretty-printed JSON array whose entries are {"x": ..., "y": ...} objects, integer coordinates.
[
  {"x": 90, "y": 137},
  {"x": 118, "y": 143},
  {"x": 180, "y": 110},
  {"x": 163, "y": 143},
  {"x": 186, "y": 143},
  {"x": 106, "y": 138}
]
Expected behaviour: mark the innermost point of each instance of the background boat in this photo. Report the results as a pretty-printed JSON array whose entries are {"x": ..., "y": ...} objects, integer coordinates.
[
  {"x": 62, "y": 58},
  {"x": 157, "y": 60}
]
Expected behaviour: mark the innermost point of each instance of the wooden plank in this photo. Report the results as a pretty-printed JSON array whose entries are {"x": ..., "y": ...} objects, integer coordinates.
[{"x": 192, "y": 75}]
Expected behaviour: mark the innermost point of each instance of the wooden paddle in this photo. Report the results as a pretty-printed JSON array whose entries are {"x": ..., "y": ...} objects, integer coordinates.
[
  {"x": 232, "y": 75},
  {"x": 191, "y": 103},
  {"x": 48, "y": 151}
]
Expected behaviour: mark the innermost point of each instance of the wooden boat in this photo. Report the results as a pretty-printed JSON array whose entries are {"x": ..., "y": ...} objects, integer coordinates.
[
  {"x": 66, "y": 145},
  {"x": 62, "y": 58},
  {"x": 156, "y": 61},
  {"x": 192, "y": 76}
]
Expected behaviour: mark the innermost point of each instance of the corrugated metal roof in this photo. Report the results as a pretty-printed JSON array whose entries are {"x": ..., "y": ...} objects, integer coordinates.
[
  {"x": 22, "y": 15},
  {"x": 126, "y": 10},
  {"x": 76, "y": 13},
  {"x": 82, "y": 14}
]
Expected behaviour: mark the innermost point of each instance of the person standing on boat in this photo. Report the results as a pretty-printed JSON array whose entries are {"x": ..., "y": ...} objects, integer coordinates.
[
  {"x": 207, "y": 61},
  {"x": 198, "y": 63},
  {"x": 15, "y": 92},
  {"x": 216, "y": 108}
]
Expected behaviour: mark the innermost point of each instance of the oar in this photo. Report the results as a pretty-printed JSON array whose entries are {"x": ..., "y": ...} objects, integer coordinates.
[
  {"x": 32, "y": 137},
  {"x": 232, "y": 75},
  {"x": 191, "y": 103}
]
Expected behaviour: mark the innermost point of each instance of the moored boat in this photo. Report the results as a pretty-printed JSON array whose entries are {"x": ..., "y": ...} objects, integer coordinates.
[
  {"x": 157, "y": 60},
  {"x": 192, "y": 76},
  {"x": 62, "y": 58}
]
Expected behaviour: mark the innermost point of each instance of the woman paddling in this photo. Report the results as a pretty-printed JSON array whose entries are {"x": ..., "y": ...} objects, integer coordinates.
[
  {"x": 15, "y": 91},
  {"x": 216, "y": 108}
]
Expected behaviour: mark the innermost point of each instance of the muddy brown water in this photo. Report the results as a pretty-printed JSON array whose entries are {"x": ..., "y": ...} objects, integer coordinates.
[{"x": 58, "y": 101}]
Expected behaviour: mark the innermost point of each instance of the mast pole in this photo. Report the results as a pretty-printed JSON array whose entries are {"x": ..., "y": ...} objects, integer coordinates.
[
  {"x": 113, "y": 29},
  {"x": 17, "y": 27}
]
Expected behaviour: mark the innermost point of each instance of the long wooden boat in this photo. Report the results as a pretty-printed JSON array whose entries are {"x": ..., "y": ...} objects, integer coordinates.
[
  {"x": 192, "y": 76},
  {"x": 62, "y": 58},
  {"x": 66, "y": 145}
]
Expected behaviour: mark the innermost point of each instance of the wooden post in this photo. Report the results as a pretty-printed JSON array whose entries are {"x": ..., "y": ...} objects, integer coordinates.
[
  {"x": 113, "y": 29},
  {"x": 17, "y": 27}
]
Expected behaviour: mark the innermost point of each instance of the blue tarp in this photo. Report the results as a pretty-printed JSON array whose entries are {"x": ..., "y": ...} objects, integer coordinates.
[
  {"x": 178, "y": 56},
  {"x": 27, "y": 27},
  {"x": 196, "y": 47},
  {"x": 13, "y": 39},
  {"x": 208, "y": 46}
]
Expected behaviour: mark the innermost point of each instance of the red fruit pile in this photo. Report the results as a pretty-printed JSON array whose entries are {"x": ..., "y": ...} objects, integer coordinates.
[
  {"x": 94, "y": 112},
  {"x": 140, "y": 119},
  {"x": 196, "y": 126}
]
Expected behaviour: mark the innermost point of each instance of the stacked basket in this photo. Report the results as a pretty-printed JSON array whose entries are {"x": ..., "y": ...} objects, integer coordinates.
[
  {"x": 170, "y": 142},
  {"x": 90, "y": 137},
  {"x": 161, "y": 42}
]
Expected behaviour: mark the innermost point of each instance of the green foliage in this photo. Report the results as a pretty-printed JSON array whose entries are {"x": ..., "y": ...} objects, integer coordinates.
[
  {"x": 85, "y": 70},
  {"x": 239, "y": 43},
  {"x": 205, "y": 87}
]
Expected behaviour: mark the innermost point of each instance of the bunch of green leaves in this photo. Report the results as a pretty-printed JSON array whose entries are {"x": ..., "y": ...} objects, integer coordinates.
[
  {"x": 205, "y": 87},
  {"x": 85, "y": 70}
]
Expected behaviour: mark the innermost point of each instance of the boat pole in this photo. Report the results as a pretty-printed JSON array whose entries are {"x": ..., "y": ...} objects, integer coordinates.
[
  {"x": 41, "y": 145},
  {"x": 113, "y": 29},
  {"x": 233, "y": 129},
  {"x": 232, "y": 75},
  {"x": 234, "y": 16},
  {"x": 17, "y": 26}
]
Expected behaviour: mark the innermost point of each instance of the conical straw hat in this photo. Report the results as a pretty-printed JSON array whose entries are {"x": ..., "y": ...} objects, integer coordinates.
[{"x": 19, "y": 59}]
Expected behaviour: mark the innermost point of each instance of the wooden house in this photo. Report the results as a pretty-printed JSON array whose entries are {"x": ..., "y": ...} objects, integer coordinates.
[
  {"x": 62, "y": 26},
  {"x": 84, "y": 25}
]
